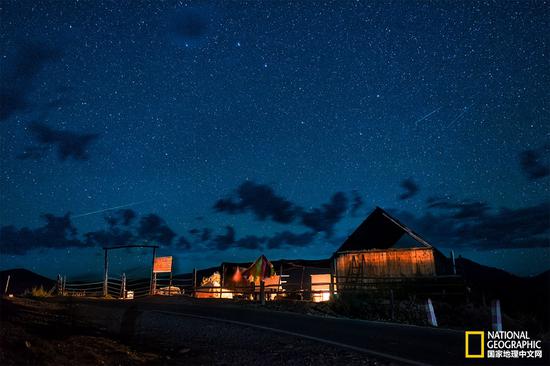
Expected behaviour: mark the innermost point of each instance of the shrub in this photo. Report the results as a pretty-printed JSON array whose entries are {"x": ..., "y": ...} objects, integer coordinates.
[{"x": 38, "y": 292}]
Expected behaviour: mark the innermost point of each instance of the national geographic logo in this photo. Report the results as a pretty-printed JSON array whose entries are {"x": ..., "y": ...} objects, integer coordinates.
[
  {"x": 475, "y": 344},
  {"x": 501, "y": 344}
]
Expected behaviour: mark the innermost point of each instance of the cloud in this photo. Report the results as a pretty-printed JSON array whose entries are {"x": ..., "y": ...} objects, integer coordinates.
[
  {"x": 460, "y": 210},
  {"x": 261, "y": 200},
  {"x": 456, "y": 226},
  {"x": 58, "y": 233},
  {"x": 201, "y": 235},
  {"x": 289, "y": 239},
  {"x": 206, "y": 234},
  {"x": 68, "y": 144},
  {"x": 153, "y": 228},
  {"x": 411, "y": 189},
  {"x": 325, "y": 218},
  {"x": 124, "y": 230},
  {"x": 194, "y": 232},
  {"x": 189, "y": 27},
  {"x": 534, "y": 163},
  {"x": 356, "y": 202},
  {"x": 251, "y": 242},
  {"x": 125, "y": 217},
  {"x": 229, "y": 240},
  {"x": 114, "y": 236},
  {"x": 18, "y": 79},
  {"x": 225, "y": 241},
  {"x": 183, "y": 243}
]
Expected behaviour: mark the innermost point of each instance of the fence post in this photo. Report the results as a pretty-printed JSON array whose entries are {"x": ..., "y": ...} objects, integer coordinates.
[
  {"x": 335, "y": 266},
  {"x": 63, "y": 284},
  {"x": 302, "y": 283},
  {"x": 496, "y": 315},
  {"x": 262, "y": 292},
  {"x": 170, "y": 284},
  {"x": 7, "y": 285},
  {"x": 153, "y": 284},
  {"x": 59, "y": 285},
  {"x": 221, "y": 280},
  {"x": 279, "y": 289},
  {"x": 453, "y": 261},
  {"x": 123, "y": 286},
  {"x": 431, "y": 314},
  {"x": 105, "y": 274},
  {"x": 153, "y": 288},
  {"x": 391, "y": 304},
  {"x": 331, "y": 286},
  {"x": 194, "y": 279}
]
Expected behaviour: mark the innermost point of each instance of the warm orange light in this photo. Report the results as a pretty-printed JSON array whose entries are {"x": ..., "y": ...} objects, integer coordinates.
[
  {"x": 238, "y": 276},
  {"x": 320, "y": 287}
]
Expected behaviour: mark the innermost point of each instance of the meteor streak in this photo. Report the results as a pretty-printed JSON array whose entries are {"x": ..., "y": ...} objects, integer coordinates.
[
  {"x": 426, "y": 116},
  {"x": 109, "y": 209}
]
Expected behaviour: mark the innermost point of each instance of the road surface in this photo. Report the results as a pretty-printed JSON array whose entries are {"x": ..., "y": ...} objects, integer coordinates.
[{"x": 403, "y": 344}]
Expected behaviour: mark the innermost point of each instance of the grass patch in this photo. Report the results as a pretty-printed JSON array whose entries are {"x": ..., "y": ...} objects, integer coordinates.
[{"x": 38, "y": 292}]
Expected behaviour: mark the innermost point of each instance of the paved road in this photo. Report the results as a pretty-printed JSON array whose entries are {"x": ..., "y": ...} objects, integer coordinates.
[{"x": 402, "y": 343}]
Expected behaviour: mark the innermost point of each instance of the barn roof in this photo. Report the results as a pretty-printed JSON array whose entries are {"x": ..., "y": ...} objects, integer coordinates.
[{"x": 382, "y": 231}]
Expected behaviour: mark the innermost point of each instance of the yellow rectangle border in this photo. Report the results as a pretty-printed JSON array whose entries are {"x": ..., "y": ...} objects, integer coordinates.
[{"x": 467, "y": 351}]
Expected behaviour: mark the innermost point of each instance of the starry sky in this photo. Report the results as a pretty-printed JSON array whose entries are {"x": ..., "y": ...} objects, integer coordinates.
[{"x": 224, "y": 130}]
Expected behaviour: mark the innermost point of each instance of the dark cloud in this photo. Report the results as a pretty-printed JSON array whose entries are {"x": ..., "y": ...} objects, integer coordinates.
[
  {"x": 534, "y": 163},
  {"x": 154, "y": 229},
  {"x": 251, "y": 242},
  {"x": 356, "y": 202},
  {"x": 410, "y": 187},
  {"x": 114, "y": 236},
  {"x": 225, "y": 241},
  {"x": 325, "y": 218},
  {"x": 289, "y": 239},
  {"x": 229, "y": 240},
  {"x": 456, "y": 227},
  {"x": 194, "y": 232},
  {"x": 261, "y": 200},
  {"x": 68, "y": 144},
  {"x": 206, "y": 234},
  {"x": 189, "y": 27},
  {"x": 127, "y": 216},
  {"x": 58, "y": 233},
  {"x": 124, "y": 217},
  {"x": 460, "y": 210},
  {"x": 201, "y": 235},
  {"x": 189, "y": 24},
  {"x": 122, "y": 229},
  {"x": 183, "y": 243},
  {"x": 18, "y": 78}
]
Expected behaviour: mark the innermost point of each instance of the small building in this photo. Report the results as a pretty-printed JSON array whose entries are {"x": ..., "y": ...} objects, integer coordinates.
[
  {"x": 320, "y": 287},
  {"x": 384, "y": 249}
]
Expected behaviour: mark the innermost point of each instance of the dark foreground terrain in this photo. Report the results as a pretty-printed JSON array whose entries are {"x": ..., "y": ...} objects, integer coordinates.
[{"x": 52, "y": 332}]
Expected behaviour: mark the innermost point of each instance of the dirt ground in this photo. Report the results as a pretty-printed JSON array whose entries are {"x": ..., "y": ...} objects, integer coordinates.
[{"x": 35, "y": 332}]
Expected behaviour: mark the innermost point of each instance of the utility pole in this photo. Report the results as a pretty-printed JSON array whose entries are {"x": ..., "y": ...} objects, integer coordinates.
[
  {"x": 153, "y": 275},
  {"x": 194, "y": 281}
]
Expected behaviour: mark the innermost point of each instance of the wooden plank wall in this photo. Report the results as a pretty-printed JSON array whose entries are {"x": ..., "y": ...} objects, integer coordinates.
[{"x": 417, "y": 262}]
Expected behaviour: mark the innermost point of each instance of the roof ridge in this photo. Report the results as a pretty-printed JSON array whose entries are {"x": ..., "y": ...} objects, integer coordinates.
[{"x": 407, "y": 229}]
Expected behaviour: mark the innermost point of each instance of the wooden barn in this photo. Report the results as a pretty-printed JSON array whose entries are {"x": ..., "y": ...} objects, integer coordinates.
[{"x": 382, "y": 249}]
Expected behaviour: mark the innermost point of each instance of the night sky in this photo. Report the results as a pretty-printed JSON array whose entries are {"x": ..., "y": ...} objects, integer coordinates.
[{"x": 224, "y": 130}]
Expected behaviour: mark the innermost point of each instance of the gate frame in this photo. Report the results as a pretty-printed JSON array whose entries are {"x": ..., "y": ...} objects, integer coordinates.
[{"x": 106, "y": 264}]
